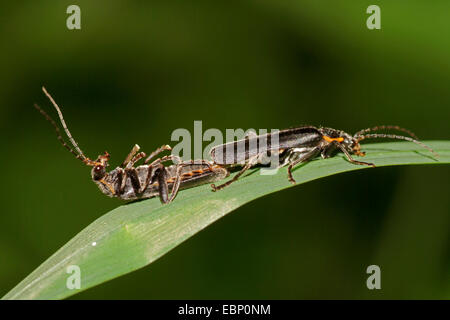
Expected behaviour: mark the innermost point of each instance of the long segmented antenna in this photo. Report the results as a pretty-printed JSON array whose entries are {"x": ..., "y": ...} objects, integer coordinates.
[
  {"x": 80, "y": 155},
  {"x": 384, "y": 127},
  {"x": 394, "y": 136},
  {"x": 72, "y": 140},
  {"x": 58, "y": 132}
]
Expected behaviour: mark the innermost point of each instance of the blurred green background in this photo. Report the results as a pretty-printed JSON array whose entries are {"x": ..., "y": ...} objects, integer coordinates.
[{"x": 137, "y": 70}]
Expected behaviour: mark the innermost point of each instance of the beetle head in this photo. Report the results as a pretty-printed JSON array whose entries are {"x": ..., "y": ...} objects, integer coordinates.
[{"x": 98, "y": 171}]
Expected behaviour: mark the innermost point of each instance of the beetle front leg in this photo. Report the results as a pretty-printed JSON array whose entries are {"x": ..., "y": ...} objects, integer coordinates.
[{"x": 349, "y": 157}]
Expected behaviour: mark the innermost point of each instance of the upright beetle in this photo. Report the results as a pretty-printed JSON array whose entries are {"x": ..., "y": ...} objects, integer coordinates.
[{"x": 297, "y": 145}]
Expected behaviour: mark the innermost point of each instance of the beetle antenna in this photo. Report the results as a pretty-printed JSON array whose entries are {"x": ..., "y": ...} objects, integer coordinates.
[
  {"x": 384, "y": 127},
  {"x": 79, "y": 154},
  {"x": 394, "y": 136},
  {"x": 58, "y": 132}
]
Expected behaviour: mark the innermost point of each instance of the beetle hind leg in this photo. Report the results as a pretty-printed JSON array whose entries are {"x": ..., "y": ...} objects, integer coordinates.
[{"x": 247, "y": 166}]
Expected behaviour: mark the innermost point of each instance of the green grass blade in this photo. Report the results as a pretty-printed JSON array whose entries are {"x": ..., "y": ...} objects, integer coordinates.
[{"x": 134, "y": 235}]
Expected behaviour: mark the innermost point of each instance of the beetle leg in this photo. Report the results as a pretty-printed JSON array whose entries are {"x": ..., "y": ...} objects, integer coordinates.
[
  {"x": 156, "y": 152},
  {"x": 134, "y": 179},
  {"x": 328, "y": 151},
  {"x": 122, "y": 181},
  {"x": 162, "y": 176},
  {"x": 153, "y": 170},
  {"x": 174, "y": 159},
  {"x": 130, "y": 156},
  {"x": 176, "y": 184},
  {"x": 179, "y": 167},
  {"x": 135, "y": 159},
  {"x": 199, "y": 162},
  {"x": 303, "y": 157},
  {"x": 349, "y": 157},
  {"x": 156, "y": 166},
  {"x": 251, "y": 162},
  {"x": 163, "y": 188}
]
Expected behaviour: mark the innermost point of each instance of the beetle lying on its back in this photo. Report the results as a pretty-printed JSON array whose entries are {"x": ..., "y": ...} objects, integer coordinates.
[{"x": 145, "y": 181}]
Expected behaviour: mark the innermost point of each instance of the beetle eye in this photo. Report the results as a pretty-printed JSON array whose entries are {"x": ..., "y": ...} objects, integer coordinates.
[{"x": 98, "y": 168}]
